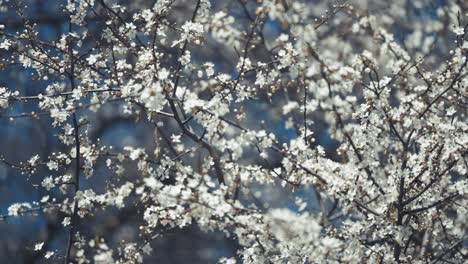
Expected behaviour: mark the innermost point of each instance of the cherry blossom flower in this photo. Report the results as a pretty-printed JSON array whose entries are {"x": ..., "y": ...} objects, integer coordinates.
[{"x": 332, "y": 133}]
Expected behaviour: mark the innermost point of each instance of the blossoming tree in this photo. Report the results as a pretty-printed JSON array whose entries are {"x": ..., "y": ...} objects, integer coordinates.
[{"x": 217, "y": 83}]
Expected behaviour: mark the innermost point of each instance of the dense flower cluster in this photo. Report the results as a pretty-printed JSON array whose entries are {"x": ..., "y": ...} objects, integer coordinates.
[{"x": 214, "y": 86}]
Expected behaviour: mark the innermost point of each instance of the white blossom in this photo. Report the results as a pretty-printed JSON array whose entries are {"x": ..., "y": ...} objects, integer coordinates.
[
  {"x": 324, "y": 133},
  {"x": 38, "y": 246},
  {"x": 48, "y": 183},
  {"x": 48, "y": 254},
  {"x": 66, "y": 221}
]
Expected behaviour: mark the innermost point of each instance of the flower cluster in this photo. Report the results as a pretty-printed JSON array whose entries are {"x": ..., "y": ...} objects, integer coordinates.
[{"x": 319, "y": 134}]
